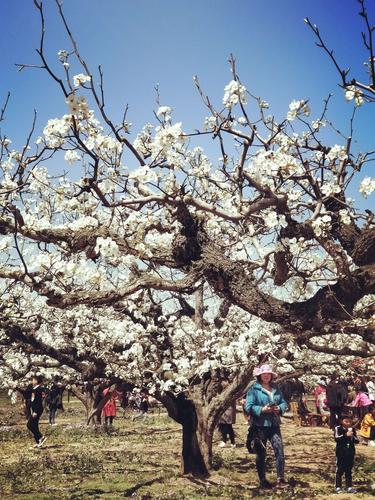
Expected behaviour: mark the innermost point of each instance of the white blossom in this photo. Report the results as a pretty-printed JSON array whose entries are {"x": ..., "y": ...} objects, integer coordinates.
[
  {"x": 234, "y": 93},
  {"x": 71, "y": 156},
  {"x": 296, "y": 108},
  {"x": 352, "y": 92},
  {"x": 81, "y": 79},
  {"x": 367, "y": 186}
]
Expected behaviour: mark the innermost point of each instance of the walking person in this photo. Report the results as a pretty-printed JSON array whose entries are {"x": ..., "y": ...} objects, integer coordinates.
[
  {"x": 38, "y": 393},
  {"x": 225, "y": 425},
  {"x": 337, "y": 394},
  {"x": 345, "y": 437},
  {"x": 54, "y": 400},
  {"x": 265, "y": 403}
]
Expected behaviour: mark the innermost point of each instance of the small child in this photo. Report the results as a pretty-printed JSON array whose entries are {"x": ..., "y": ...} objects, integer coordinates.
[
  {"x": 345, "y": 437},
  {"x": 367, "y": 430}
]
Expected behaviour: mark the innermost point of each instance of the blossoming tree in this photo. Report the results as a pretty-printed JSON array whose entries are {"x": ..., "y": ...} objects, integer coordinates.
[
  {"x": 267, "y": 227},
  {"x": 181, "y": 351}
]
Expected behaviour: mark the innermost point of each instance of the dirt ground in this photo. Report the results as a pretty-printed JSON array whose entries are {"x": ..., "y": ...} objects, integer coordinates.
[{"x": 141, "y": 460}]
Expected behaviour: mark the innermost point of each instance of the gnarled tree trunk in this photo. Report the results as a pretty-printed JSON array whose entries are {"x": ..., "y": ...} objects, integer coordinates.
[{"x": 196, "y": 439}]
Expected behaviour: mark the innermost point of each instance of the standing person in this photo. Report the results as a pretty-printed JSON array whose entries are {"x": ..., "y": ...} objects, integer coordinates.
[
  {"x": 360, "y": 383},
  {"x": 38, "y": 393},
  {"x": 362, "y": 402},
  {"x": 371, "y": 389},
  {"x": 367, "y": 430},
  {"x": 265, "y": 403},
  {"x": 26, "y": 394},
  {"x": 54, "y": 400},
  {"x": 227, "y": 419},
  {"x": 109, "y": 409},
  {"x": 345, "y": 437},
  {"x": 318, "y": 391},
  {"x": 337, "y": 394},
  {"x": 143, "y": 407}
]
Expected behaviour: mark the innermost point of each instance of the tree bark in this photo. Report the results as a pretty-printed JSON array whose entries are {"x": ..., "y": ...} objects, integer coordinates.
[{"x": 196, "y": 440}]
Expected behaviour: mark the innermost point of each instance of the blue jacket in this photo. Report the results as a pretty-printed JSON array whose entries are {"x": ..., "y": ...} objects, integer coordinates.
[{"x": 257, "y": 398}]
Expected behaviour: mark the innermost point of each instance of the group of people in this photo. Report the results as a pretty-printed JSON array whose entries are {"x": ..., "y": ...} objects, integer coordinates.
[
  {"x": 38, "y": 396},
  {"x": 136, "y": 400},
  {"x": 264, "y": 403},
  {"x": 263, "y": 406},
  {"x": 334, "y": 396}
]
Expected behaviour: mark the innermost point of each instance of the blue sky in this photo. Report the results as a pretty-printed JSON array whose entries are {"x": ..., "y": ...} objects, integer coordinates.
[{"x": 141, "y": 43}]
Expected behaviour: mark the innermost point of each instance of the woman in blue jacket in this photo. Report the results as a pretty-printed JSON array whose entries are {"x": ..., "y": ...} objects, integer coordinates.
[{"x": 265, "y": 403}]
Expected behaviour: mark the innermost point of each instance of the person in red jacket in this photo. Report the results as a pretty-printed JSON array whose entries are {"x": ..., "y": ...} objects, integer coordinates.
[{"x": 109, "y": 409}]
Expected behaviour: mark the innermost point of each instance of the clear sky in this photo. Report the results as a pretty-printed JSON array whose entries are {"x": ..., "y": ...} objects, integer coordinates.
[{"x": 141, "y": 43}]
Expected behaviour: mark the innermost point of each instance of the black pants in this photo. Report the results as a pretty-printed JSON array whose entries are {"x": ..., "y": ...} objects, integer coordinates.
[
  {"x": 344, "y": 465},
  {"x": 334, "y": 415},
  {"x": 226, "y": 430},
  {"x": 109, "y": 420},
  {"x": 52, "y": 415},
  {"x": 260, "y": 436},
  {"x": 33, "y": 426}
]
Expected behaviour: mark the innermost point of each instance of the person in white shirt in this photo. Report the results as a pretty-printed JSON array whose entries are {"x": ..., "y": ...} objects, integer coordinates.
[{"x": 371, "y": 389}]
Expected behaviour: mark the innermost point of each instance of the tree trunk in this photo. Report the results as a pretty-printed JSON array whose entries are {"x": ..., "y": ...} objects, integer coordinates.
[{"x": 196, "y": 440}]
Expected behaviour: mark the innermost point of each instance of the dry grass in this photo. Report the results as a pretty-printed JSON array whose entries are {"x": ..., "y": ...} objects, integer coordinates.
[{"x": 141, "y": 460}]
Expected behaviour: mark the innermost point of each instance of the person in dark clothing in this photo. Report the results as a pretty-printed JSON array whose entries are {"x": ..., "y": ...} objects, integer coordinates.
[
  {"x": 345, "y": 437},
  {"x": 26, "y": 394},
  {"x": 337, "y": 394},
  {"x": 54, "y": 400},
  {"x": 38, "y": 393}
]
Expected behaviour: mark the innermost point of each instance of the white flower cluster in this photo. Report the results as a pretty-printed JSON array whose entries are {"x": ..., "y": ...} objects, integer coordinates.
[
  {"x": 321, "y": 224},
  {"x": 71, "y": 156},
  {"x": 62, "y": 55},
  {"x": 297, "y": 108},
  {"x": 234, "y": 93},
  {"x": 63, "y": 58},
  {"x": 55, "y": 131},
  {"x": 337, "y": 152},
  {"x": 108, "y": 249},
  {"x": 167, "y": 138},
  {"x": 164, "y": 112},
  {"x": 210, "y": 122},
  {"x": 272, "y": 219},
  {"x": 367, "y": 186},
  {"x": 81, "y": 79},
  {"x": 77, "y": 105},
  {"x": 142, "y": 142},
  {"x": 266, "y": 165},
  {"x": 345, "y": 216},
  {"x": 352, "y": 92},
  {"x": 330, "y": 188}
]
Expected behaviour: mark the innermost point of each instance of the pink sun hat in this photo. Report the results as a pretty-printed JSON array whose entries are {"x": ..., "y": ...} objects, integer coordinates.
[{"x": 263, "y": 369}]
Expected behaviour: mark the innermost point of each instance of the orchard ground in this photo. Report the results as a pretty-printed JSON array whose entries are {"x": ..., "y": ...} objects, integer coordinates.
[{"x": 141, "y": 460}]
